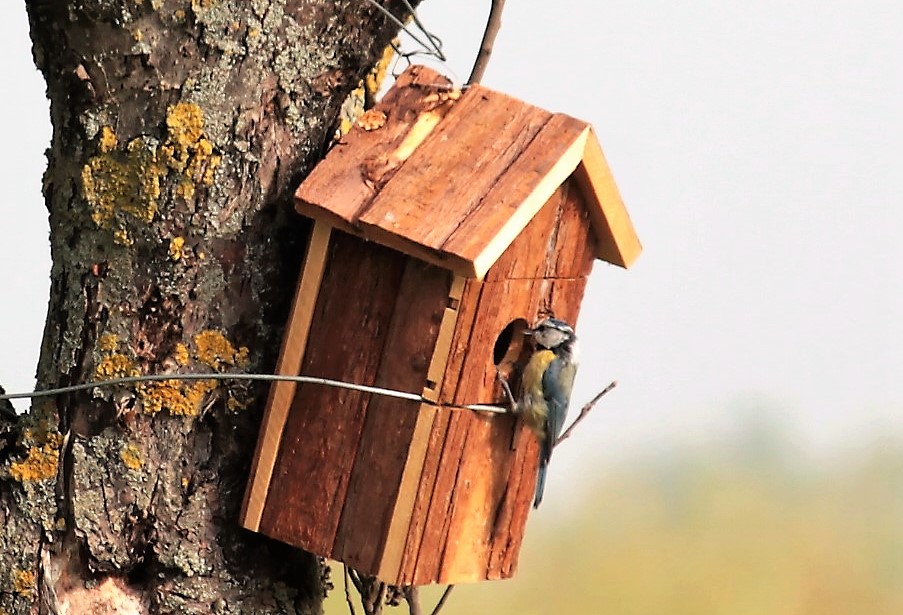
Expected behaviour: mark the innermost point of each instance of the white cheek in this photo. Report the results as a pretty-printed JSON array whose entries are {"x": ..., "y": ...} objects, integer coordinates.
[{"x": 575, "y": 353}]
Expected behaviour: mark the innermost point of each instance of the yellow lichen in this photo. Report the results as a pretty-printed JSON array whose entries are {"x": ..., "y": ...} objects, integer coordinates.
[
  {"x": 374, "y": 79},
  {"x": 121, "y": 185},
  {"x": 177, "y": 398},
  {"x": 24, "y": 583},
  {"x": 122, "y": 238},
  {"x": 108, "y": 342},
  {"x": 175, "y": 247},
  {"x": 41, "y": 463},
  {"x": 107, "y": 141},
  {"x": 187, "y": 150},
  {"x": 181, "y": 354},
  {"x": 213, "y": 349},
  {"x": 131, "y": 457},
  {"x": 115, "y": 365}
]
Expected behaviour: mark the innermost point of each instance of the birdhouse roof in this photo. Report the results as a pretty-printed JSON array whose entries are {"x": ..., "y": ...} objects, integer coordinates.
[{"x": 453, "y": 177}]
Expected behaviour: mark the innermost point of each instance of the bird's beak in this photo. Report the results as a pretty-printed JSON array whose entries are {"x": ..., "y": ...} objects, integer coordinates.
[{"x": 528, "y": 331}]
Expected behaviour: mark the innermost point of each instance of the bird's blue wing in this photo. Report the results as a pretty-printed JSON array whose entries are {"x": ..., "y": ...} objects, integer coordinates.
[{"x": 557, "y": 382}]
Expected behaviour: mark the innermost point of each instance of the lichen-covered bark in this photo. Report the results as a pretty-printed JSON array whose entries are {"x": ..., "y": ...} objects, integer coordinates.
[{"x": 180, "y": 130}]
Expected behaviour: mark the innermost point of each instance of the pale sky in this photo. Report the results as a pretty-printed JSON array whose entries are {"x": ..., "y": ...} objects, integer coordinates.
[{"x": 759, "y": 149}]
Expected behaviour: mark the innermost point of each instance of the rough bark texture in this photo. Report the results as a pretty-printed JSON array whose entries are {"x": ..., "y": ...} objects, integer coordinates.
[{"x": 179, "y": 131}]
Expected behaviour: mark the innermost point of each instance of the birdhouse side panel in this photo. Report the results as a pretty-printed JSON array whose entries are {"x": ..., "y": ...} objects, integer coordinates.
[
  {"x": 497, "y": 459},
  {"x": 557, "y": 243},
  {"x": 501, "y": 303},
  {"x": 370, "y": 506},
  {"x": 322, "y": 432}
]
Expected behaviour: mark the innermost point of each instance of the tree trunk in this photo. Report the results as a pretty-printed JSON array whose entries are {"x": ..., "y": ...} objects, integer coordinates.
[{"x": 179, "y": 132}]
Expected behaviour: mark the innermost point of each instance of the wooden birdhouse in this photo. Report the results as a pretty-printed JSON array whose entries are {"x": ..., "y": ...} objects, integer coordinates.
[{"x": 444, "y": 223}]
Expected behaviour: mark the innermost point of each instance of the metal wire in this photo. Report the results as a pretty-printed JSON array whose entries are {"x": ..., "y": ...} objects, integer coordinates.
[{"x": 257, "y": 377}]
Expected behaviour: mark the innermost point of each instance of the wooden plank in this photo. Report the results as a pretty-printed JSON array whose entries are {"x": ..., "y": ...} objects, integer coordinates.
[
  {"x": 322, "y": 434},
  {"x": 401, "y": 525},
  {"x": 442, "y": 350},
  {"x": 616, "y": 238},
  {"x": 390, "y": 423},
  {"x": 289, "y": 363},
  {"x": 438, "y": 517},
  {"x": 507, "y": 532},
  {"x": 467, "y": 311},
  {"x": 422, "y": 501},
  {"x": 557, "y": 243},
  {"x": 454, "y": 168},
  {"x": 479, "y": 491},
  {"x": 364, "y": 160},
  {"x": 512, "y": 202}
]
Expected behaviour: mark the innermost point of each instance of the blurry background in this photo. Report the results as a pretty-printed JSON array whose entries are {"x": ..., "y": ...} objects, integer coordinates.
[{"x": 751, "y": 460}]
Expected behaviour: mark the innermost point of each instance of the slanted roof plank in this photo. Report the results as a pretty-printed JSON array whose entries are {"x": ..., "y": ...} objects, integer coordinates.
[
  {"x": 616, "y": 239},
  {"x": 447, "y": 177},
  {"x": 364, "y": 160},
  {"x": 519, "y": 194}
]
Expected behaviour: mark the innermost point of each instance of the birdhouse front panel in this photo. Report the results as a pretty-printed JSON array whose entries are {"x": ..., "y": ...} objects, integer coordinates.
[
  {"x": 342, "y": 452},
  {"x": 445, "y": 224}
]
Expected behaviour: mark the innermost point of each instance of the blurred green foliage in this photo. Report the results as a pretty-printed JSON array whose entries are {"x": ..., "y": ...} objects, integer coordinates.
[{"x": 742, "y": 528}]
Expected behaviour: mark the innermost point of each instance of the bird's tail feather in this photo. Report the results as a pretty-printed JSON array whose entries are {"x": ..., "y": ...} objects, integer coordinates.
[{"x": 540, "y": 485}]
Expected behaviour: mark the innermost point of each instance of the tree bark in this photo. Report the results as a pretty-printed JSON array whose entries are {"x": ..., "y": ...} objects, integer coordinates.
[{"x": 179, "y": 132}]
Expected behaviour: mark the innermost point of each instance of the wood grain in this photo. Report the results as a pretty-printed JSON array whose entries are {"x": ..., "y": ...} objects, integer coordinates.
[
  {"x": 454, "y": 168},
  {"x": 510, "y": 203},
  {"x": 322, "y": 434},
  {"x": 390, "y": 423},
  {"x": 557, "y": 243},
  {"x": 289, "y": 363},
  {"x": 357, "y": 167}
]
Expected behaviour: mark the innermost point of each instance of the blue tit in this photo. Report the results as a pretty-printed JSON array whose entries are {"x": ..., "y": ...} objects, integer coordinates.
[{"x": 547, "y": 382}]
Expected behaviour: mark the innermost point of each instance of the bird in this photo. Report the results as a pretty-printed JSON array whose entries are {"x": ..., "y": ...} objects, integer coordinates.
[{"x": 546, "y": 388}]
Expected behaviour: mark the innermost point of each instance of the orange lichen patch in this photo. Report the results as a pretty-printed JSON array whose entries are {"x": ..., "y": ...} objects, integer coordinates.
[
  {"x": 187, "y": 150},
  {"x": 108, "y": 140},
  {"x": 115, "y": 365},
  {"x": 108, "y": 342},
  {"x": 175, "y": 397},
  {"x": 122, "y": 185},
  {"x": 181, "y": 354},
  {"x": 213, "y": 349},
  {"x": 175, "y": 247},
  {"x": 131, "y": 457},
  {"x": 374, "y": 79},
  {"x": 41, "y": 463},
  {"x": 372, "y": 120},
  {"x": 24, "y": 583}
]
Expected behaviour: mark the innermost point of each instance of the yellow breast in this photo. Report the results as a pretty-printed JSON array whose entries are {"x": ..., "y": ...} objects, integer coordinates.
[{"x": 533, "y": 402}]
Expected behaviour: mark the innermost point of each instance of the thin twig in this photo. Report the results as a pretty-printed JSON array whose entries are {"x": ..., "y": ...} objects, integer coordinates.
[
  {"x": 441, "y": 603},
  {"x": 412, "y": 596},
  {"x": 493, "y": 25},
  {"x": 348, "y": 592},
  {"x": 584, "y": 411}
]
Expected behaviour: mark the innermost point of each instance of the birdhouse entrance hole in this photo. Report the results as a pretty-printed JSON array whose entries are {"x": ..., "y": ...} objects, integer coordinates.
[{"x": 511, "y": 351}]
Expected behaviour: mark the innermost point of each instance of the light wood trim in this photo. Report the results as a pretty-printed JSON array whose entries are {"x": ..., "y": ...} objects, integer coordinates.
[
  {"x": 396, "y": 536},
  {"x": 442, "y": 349},
  {"x": 616, "y": 239},
  {"x": 557, "y": 175},
  {"x": 282, "y": 392}
]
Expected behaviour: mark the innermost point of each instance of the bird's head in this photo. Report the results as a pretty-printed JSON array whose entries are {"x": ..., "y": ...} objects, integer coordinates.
[{"x": 553, "y": 334}]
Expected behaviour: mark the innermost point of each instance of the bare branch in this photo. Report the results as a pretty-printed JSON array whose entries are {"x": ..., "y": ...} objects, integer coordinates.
[
  {"x": 412, "y": 596},
  {"x": 441, "y": 603},
  {"x": 493, "y": 25},
  {"x": 348, "y": 592},
  {"x": 584, "y": 411}
]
